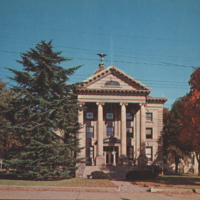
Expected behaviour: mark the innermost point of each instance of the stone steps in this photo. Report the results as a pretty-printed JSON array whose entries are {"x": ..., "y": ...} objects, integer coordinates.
[{"x": 113, "y": 172}]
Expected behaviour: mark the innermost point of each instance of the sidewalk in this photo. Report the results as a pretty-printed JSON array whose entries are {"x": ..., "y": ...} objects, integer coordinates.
[
  {"x": 121, "y": 186},
  {"x": 124, "y": 190},
  {"x": 126, "y": 186}
]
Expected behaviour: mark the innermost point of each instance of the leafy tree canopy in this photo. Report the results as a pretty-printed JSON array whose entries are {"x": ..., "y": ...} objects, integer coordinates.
[
  {"x": 173, "y": 147},
  {"x": 190, "y": 131},
  {"x": 172, "y": 123}
]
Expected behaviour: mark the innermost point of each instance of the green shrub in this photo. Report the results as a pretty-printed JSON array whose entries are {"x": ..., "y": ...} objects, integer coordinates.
[
  {"x": 99, "y": 175},
  {"x": 139, "y": 175},
  {"x": 154, "y": 169},
  {"x": 10, "y": 176}
]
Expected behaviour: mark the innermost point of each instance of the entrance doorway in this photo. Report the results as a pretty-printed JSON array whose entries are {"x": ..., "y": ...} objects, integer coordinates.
[{"x": 111, "y": 154}]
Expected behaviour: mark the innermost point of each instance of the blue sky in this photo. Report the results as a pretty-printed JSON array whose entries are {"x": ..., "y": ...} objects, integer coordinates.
[{"x": 156, "y": 42}]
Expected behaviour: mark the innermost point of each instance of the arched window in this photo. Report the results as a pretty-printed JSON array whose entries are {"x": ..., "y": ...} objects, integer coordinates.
[{"x": 112, "y": 83}]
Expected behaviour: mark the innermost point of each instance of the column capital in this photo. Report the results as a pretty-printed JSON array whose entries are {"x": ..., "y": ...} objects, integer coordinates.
[
  {"x": 81, "y": 103},
  {"x": 123, "y": 103},
  {"x": 142, "y": 104},
  {"x": 100, "y": 103}
]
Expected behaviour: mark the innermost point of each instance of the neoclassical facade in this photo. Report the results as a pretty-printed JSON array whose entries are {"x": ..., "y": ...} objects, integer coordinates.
[{"x": 121, "y": 123}]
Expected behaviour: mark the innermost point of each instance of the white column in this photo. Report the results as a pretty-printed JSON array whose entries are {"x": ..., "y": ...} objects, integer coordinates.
[
  {"x": 100, "y": 158},
  {"x": 81, "y": 135},
  {"x": 100, "y": 129},
  {"x": 114, "y": 158},
  {"x": 142, "y": 160},
  {"x": 123, "y": 128},
  {"x": 143, "y": 130}
]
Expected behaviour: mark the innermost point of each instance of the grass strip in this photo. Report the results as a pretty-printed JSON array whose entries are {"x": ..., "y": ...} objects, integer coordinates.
[{"x": 74, "y": 182}]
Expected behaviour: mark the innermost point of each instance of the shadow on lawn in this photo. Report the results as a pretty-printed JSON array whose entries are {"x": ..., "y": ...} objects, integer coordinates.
[{"x": 173, "y": 180}]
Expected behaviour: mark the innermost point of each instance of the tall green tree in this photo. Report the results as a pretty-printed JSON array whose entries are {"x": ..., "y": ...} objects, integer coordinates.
[
  {"x": 173, "y": 147},
  {"x": 5, "y": 136},
  {"x": 43, "y": 103},
  {"x": 3, "y": 103}
]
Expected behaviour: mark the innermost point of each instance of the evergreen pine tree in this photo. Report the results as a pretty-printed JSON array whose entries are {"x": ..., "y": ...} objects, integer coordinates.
[
  {"x": 6, "y": 138},
  {"x": 4, "y": 95},
  {"x": 44, "y": 104}
]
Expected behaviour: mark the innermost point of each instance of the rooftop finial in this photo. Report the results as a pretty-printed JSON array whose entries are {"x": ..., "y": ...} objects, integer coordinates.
[{"x": 101, "y": 65}]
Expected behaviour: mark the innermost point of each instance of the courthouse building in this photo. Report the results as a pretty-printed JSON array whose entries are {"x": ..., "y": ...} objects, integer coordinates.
[{"x": 121, "y": 123}]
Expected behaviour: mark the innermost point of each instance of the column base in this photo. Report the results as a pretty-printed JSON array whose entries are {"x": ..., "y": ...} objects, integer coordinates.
[
  {"x": 80, "y": 170},
  {"x": 100, "y": 160},
  {"x": 123, "y": 160},
  {"x": 142, "y": 161}
]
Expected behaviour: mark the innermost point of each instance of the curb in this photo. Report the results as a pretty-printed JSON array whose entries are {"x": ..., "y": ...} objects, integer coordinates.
[
  {"x": 152, "y": 189},
  {"x": 64, "y": 189},
  {"x": 196, "y": 191}
]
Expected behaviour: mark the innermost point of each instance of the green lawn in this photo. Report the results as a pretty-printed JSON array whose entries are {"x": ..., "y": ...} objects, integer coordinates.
[
  {"x": 73, "y": 182},
  {"x": 173, "y": 181}
]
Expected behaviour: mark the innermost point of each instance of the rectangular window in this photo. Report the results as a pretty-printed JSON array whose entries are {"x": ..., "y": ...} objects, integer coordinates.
[
  {"x": 88, "y": 142},
  {"x": 129, "y": 132},
  {"x": 130, "y": 152},
  {"x": 109, "y": 116},
  {"x": 149, "y": 153},
  {"x": 89, "y": 115},
  {"x": 89, "y": 131},
  {"x": 110, "y": 130},
  {"x": 105, "y": 148},
  {"x": 149, "y": 133},
  {"x": 129, "y": 116},
  {"x": 149, "y": 116}
]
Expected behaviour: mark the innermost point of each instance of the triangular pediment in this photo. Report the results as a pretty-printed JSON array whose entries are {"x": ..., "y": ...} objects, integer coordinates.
[{"x": 113, "y": 78}]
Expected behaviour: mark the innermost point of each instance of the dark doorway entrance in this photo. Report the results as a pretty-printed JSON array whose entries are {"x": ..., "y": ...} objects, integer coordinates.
[{"x": 111, "y": 153}]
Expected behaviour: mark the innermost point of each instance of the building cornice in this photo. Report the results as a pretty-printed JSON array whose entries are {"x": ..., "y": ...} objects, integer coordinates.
[
  {"x": 161, "y": 100},
  {"x": 112, "y": 92}
]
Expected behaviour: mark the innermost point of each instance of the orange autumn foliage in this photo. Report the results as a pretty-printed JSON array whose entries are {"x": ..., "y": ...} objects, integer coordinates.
[
  {"x": 190, "y": 131},
  {"x": 195, "y": 80}
]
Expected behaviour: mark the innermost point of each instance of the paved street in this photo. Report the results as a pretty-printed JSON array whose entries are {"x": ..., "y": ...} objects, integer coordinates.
[
  {"x": 6, "y": 194},
  {"x": 126, "y": 190}
]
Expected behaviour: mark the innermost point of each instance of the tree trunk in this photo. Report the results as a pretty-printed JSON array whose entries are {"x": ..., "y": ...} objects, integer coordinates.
[
  {"x": 198, "y": 168},
  {"x": 198, "y": 159},
  {"x": 7, "y": 170},
  {"x": 176, "y": 162}
]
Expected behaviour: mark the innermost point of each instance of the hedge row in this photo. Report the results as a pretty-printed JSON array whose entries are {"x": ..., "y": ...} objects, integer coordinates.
[{"x": 149, "y": 172}]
